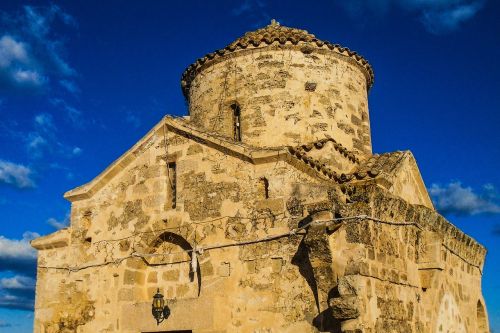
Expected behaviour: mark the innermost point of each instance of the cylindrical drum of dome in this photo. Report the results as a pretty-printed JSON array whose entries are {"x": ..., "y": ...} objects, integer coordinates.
[{"x": 285, "y": 87}]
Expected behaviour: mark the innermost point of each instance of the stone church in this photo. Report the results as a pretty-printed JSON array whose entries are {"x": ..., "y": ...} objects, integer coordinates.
[{"x": 263, "y": 210}]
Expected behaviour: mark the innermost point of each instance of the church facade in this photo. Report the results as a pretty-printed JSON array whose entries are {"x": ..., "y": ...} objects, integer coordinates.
[{"x": 264, "y": 210}]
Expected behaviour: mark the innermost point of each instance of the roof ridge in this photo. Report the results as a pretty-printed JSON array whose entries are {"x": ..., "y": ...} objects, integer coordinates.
[
  {"x": 304, "y": 148},
  {"x": 273, "y": 33}
]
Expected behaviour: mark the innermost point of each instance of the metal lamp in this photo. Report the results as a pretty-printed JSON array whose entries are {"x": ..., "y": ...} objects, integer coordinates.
[{"x": 159, "y": 309}]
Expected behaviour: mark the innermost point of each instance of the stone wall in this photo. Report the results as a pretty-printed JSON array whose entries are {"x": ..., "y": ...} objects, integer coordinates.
[
  {"x": 360, "y": 275},
  {"x": 219, "y": 200},
  {"x": 288, "y": 95},
  {"x": 405, "y": 277}
]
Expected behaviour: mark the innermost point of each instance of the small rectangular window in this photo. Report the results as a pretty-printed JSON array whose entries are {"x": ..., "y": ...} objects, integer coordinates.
[
  {"x": 172, "y": 183},
  {"x": 236, "y": 122},
  {"x": 264, "y": 188}
]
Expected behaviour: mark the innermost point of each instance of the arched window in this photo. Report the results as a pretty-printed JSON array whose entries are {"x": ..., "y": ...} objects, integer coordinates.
[
  {"x": 264, "y": 188},
  {"x": 482, "y": 320},
  {"x": 236, "y": 122},
  {"x": 172, "y": 179}
]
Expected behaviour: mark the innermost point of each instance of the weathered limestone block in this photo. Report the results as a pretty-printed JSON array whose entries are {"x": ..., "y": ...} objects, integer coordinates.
[{"x": 345, "y": 307}]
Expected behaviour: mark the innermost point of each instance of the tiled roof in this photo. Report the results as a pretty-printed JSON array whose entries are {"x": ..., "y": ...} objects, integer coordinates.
[
  {"x": 274, "y": 33},
  {"x": 367, "y": 169},
  {"x": 301, "y": 151}
]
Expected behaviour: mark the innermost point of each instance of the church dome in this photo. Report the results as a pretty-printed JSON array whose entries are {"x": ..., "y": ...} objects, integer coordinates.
[{"x": 274, "y": 33}]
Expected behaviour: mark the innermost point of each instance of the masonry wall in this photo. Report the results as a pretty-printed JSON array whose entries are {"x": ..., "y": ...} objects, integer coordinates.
[
  {"x": 355, "y": 276},
  {"x": 423, "y": 277},
  {"x": 220, "y": 200},
  {"x": 287, "y": 96}
]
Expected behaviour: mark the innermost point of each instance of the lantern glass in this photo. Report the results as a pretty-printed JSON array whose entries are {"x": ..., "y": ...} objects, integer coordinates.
[
  {"x": 158, "y": 307},
  {"x": 158, "y": 302}
]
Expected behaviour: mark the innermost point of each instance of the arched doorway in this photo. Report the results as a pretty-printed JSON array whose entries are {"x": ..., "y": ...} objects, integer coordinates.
[{"x": 481, "y": 319}]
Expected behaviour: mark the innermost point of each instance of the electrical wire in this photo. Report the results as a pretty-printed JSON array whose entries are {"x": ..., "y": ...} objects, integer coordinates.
[{"x": 296, "y": 231}]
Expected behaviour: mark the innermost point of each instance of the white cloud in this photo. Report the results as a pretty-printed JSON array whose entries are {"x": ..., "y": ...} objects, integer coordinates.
[
  {"x": 28, "y": 77},
  {"x": 440, "y": 21},
  {"x": 16, "y": 175},
  {"x": 13, "y": 248},
  {"x": 12, "y": 51},
  {"x": 44, "y": 139},
  {"x": 18, "y": 282},
  {"x": 17, "y": 292},
  {"x": 59, "y": 224},
  {"x": 17, "y": 67},
  {"x": 30, "y": 52},
  {"x": 18, "y": 255},
  {"x": 35, "y": 144},
  {"x": 39, "y": 23},
  {"x": 77, "y": 151},
  {"x": 73, "y": 115},
  {"x": 253, "y": 10},
  {"x": 437, "y": 16},
  {"x": 456, "y": 199},
  {"x": 70, "y": 86},
  {"x": 45, "y": 122}
]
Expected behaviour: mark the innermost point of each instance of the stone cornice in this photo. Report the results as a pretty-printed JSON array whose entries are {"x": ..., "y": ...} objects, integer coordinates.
[{"x": 57, "y": 239}]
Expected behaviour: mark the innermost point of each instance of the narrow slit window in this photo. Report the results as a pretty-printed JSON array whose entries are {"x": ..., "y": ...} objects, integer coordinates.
[
  {"x": 172, "y": 175},
  {"x": 236, "y": 122},
  {"x": 264, "y": 187}
]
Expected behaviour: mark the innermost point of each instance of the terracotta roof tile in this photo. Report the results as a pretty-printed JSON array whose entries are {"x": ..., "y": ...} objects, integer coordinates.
[{"x": 274, "y": 33}]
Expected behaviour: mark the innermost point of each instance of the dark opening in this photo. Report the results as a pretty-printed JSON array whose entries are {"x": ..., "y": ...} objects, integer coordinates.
[
  {"x": 482, "y": 321},
  {"x": 236, "y": 122},
  {"x": 264, "y": 185},
  {"x": 88, "y": 239},
  {"x": 172, "y": 175}
]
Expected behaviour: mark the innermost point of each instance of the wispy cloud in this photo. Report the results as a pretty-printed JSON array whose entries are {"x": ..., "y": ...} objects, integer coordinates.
[
  {"x": 17, "y": 292},
  {"x": 45, "y": 122},
  {"x": 17, "y": 255},
  {"x": 450, "y": 18},
  {"x": 17, "y": 68},
  {"x": 70, "y": 86},
  {"x": 132, "y": 119},
  {"x": 254, "y": 10},
  {"x": 77, "y": 151},
  {"x": 18, "y": 268},
  {"x": 71, "y": 113},
  {"x": 31, "y": 53},
  {"x": 437, "y": 16},
  {"x": 16, "y": 175},
  {"x": 59, "y": 224},
  {"x": 455, "y": 199},
  {"x": 44, "y": 139}
]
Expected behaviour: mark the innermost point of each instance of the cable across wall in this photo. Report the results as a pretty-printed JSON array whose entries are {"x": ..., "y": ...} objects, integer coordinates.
[{"x": 200, "y": 249}]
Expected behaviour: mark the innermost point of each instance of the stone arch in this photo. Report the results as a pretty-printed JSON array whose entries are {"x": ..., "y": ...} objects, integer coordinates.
[
  {"x": 170, "y": 255},
  {"x": 449, "y": 318},
  {"x": 481, "y": 318}
]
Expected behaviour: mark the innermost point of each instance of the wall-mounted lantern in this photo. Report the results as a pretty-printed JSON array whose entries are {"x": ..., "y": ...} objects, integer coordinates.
[{"x": 159, "y": 309}]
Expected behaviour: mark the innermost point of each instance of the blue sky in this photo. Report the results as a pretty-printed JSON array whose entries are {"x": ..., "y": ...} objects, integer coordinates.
[{"x": 82, "y": 81}]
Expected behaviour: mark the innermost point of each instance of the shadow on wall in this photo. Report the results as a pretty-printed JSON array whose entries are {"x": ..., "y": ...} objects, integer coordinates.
[{"x": 324, "y": 321}]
